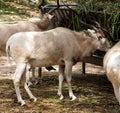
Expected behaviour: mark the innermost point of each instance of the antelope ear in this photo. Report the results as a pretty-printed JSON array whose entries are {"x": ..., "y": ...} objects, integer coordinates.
[
  {"x": 49, "y": 15},
  {"x": 91, "y": 31}
]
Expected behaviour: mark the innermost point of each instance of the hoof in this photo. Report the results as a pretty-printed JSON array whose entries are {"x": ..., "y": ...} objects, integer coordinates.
[
  {"x": 29, "y": 84},
  {"x": 61, "y": 97},
  {"x": 23, "y": 103},
  {"x": 74, "y": 98},
  {"x": 33, "y": 99}
]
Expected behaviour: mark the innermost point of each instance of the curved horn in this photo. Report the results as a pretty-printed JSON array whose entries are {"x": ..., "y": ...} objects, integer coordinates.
[
  {"x": 52, "y": 10},
  {"x": 96, "y": 23},
  {"x": 105, "y": 31}
]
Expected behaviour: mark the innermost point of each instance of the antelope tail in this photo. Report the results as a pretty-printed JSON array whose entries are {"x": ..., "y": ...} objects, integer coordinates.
[{"x": 8, "y": 53}]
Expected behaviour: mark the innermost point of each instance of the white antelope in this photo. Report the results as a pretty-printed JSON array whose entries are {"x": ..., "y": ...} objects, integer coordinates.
[
  {"x": 59, "y": 46},
  {"x": 112, "y": 68},
  {"x": 8, "y": 29}
]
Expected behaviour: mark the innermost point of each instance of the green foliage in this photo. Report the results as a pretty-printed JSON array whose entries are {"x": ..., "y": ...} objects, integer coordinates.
[{"x": 107, "y": 13}]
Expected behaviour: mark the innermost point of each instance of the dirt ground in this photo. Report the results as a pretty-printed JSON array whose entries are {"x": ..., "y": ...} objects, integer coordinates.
[{"x": 93, "y": 90}]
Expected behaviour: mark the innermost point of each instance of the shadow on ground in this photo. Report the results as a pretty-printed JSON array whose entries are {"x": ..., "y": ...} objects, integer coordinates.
[{"x": 94, "y": 92}]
